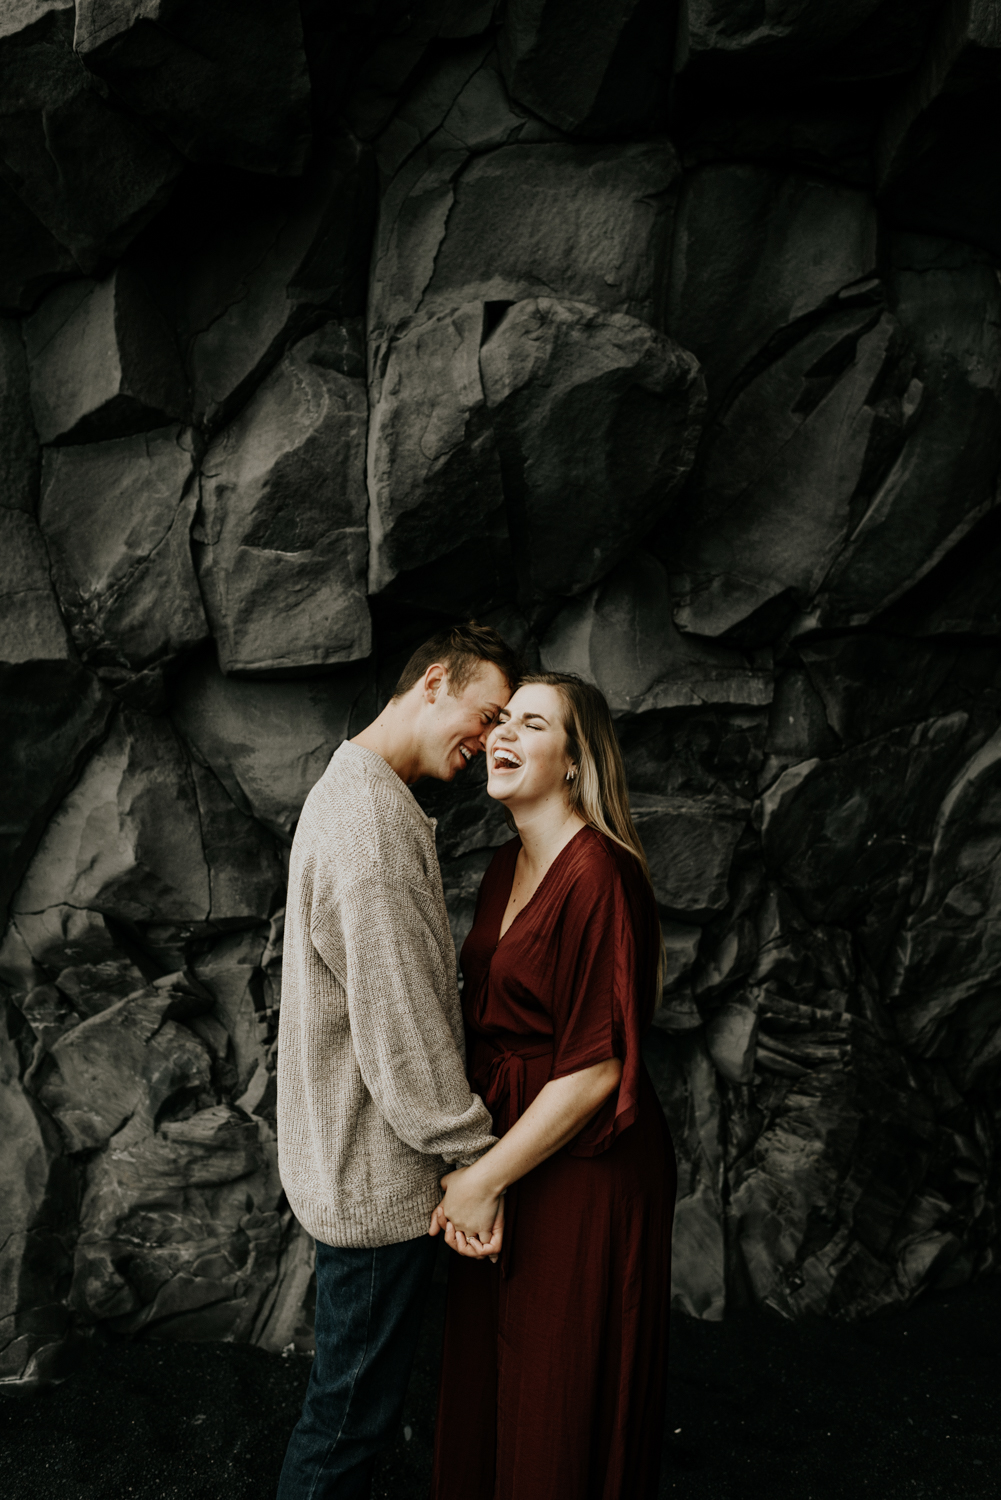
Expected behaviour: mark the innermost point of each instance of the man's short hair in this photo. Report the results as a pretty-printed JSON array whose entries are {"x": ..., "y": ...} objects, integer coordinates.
[{"x": 461, "y": 650}]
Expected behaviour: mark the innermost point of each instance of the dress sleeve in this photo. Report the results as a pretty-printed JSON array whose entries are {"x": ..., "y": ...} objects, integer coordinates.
[{"x": 608, "y": 957}]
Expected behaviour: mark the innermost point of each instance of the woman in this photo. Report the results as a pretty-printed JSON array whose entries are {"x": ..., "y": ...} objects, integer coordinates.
[{"x": 553, "y": 1378}]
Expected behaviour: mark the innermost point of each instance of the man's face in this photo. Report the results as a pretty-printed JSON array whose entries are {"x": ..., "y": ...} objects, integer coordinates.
[{"x": 456, "y": 725}]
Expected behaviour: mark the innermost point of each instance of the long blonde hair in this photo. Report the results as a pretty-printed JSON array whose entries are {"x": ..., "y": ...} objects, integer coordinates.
[{"x": 598, "y": 792}]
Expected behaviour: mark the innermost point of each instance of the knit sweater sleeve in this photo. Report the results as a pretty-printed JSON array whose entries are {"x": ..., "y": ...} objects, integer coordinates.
[{"x": 379, "y": 938}]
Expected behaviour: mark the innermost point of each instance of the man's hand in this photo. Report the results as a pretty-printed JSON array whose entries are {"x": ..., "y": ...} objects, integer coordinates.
[{"x": 470, "y": 1215}]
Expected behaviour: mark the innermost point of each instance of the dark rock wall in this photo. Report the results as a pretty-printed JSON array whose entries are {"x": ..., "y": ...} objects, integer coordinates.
[{"x": 668, "y": 340}]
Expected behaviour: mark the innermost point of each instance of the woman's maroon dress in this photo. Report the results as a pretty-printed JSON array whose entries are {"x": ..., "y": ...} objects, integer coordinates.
[{"x": 554, "y": 1371}]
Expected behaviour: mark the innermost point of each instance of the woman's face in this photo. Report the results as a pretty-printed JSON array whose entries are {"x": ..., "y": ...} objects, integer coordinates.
[{"x": 527, "y": 758}]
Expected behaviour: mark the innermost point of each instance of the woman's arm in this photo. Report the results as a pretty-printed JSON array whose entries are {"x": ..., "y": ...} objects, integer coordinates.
[{"x": 561, "y": 1109}]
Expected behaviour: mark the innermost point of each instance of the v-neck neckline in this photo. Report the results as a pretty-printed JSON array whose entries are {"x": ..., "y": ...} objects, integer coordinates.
[{"x": 502, "y": 935}]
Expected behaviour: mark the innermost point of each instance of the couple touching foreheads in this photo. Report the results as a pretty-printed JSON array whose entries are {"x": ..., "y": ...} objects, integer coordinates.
[{"x": 527, "y": 1101}]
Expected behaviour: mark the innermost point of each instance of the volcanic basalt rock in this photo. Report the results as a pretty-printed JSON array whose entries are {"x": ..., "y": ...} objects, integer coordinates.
[
  {"x": 269, "y": 742},
  {"x": 582, "y": 222},
  {"x": 941, "y": 973},
  {"x": 57, "y": 713},
  {"x": 18, "y": 441},
  {"x": 590, "y": 70},
  {"x": 669, "y": 344},
  {"x": 88, "y": 173},
  {"x": 594, "y": 412},
  {"x": 130, "y": 840},
  {"x": 934, "y": 171},
  {"x": 867, "y": 399},
  {"x": 433, "y": 470},
  {"x": 692, "y": 842},
  {"x": 389, "y": 61},
  {"x": 621, "y": 635},
  {"x": 282, "y": 521},
  {"x": 32, "y": 260},
  {"x": 460, "y": 104},
  {"x": 129, "y": 1058},
  {"x": 102, "y": 362},
  {"x": 224, "y": 83},
  {"x": 271, "y": 263},
  {"x": 836, "y": 832},
  {"x": 557, "y": 405},
  {"x": 755, "y": 250},
  {"x": 36, "y": 1253},
  {"x": 687, "y": 1084},
  {"x": 203, "y": 1261},
  {"x": 31, "y": 626},
  {"x": 76, "y": 947},
  {"x": 116, "y": 518}
]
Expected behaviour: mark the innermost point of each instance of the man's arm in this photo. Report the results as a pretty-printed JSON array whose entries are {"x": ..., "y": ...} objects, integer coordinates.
[
  {"x": 381, "y": 944},
  {"x": 561, "y": 1109}
]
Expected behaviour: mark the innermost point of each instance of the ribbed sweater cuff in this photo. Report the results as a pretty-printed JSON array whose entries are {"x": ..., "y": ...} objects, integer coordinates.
[{"x": 364, "y": 1225}]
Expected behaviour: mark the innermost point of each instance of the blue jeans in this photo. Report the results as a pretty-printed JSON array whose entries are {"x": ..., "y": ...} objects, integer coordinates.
[{"x": 369, "y": 1305}]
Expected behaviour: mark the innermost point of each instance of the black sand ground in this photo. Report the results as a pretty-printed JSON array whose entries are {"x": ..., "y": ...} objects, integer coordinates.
[{"x": 903, "y": 1407}]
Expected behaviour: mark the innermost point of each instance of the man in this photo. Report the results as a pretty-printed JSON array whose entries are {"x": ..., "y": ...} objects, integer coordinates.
[{"x": 373, "y": 1102}]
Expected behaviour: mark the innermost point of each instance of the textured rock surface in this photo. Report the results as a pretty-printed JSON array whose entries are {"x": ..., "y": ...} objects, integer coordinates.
[
  {"x": 327, "y": 325},
  {"x": 584, "y": 222},
  {"x": 36, "y": 1255},
  {"x": 18, "y": 440},
  {"x": 865, "y": 410},
  {"x": 31, "y": 627},
  {"x": 116, "y": 518},
  {"x": 596, "y": 415},
  {"x": 226, "y": 83},
  {"x": 459, "y": 102},
  {"x": 935, "y": 172},
  {"x": 128, "y": 839},
  {"x": 557, "y": 406},
  {"x": 102, "y": 362},
  {"x": 271, "y": 261},
  {"x": 87, "y": 173},
  {"x": 803, "y": 30},
  {"x": 269, "y": 742},
  {"x": 56, "y": 713},
  {"x": 433, "y": 469},
  {"x": 282, "y": 521},
  {"x": 33, "y": 260},
  {"x": 591, "y": 69},
  {"x": 944, "y": 961},
  {"x": 622, "y": 635},
  {"x": 756, "y": 249},
  {"x": 202, "y": 1262}
]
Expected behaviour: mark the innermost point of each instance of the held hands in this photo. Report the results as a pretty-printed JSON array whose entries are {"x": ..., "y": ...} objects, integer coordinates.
[{"x": 470, "y": 1215}]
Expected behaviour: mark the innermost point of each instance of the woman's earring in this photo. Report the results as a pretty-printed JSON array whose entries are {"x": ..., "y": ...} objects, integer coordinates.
[{"x": 571, "y": 774}]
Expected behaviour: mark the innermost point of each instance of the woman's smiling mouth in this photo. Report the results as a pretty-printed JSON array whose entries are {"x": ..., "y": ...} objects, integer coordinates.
[{"x": 506, "y": 760}]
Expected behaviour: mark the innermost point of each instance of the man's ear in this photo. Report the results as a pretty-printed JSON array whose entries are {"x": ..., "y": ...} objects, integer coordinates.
[{"x": 434, "y": 677}]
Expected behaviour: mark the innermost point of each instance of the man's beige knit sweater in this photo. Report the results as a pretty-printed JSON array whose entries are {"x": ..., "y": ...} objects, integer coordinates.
[{"x": 373, "y": 1103}]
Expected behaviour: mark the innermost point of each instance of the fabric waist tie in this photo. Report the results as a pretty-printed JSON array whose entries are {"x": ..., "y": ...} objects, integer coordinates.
[
  {"x": 505, "y": 1082},
  {"x": 504, "y": 1087}
]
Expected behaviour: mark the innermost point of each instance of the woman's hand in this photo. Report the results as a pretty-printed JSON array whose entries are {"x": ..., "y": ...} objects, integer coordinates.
[
  {"x": 470, "y": 1203},
  {"x": 472, "y": 1248},
  {"x": 471, "y": 1215}
]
